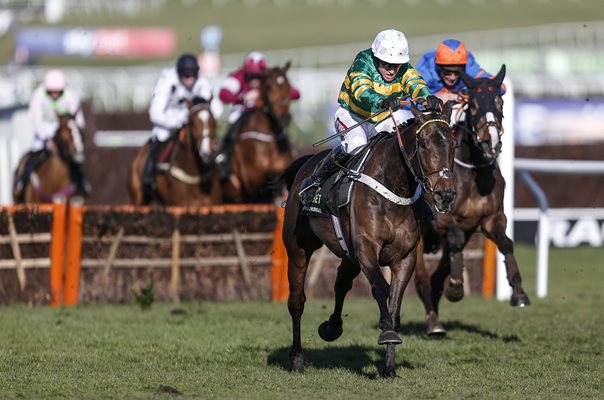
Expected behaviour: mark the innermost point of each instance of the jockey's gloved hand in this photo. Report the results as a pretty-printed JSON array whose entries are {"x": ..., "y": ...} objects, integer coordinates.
[
  {"x": 393, "y": 102},
  {"x": 433, "y": 103},
  {"x": 183, "y": 117}
]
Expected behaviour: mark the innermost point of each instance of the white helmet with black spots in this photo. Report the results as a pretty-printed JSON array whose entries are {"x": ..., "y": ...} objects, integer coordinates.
[{"x": 391, "y": 46}]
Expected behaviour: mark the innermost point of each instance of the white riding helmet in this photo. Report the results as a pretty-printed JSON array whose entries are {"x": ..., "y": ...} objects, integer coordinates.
[
  {"x": 391, "y": 46},
  {"x": 54, "y": 80}
]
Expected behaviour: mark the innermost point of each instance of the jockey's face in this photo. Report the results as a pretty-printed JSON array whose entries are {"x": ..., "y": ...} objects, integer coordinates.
[
  {"x": 449, "y": 78},
  {"x": 54, "y": 94},
  {"x": 188, "y": 80},
  {"x": 387, "y": 70}
]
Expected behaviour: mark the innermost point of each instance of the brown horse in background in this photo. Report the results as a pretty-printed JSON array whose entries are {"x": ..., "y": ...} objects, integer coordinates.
[
  {"x": 186, "y": 174},
  {"x": 478, "y": 206},
  {"x": 379, "y": 231},
  {"x": 256, "y": 161},
  {"x": 51, "y": 175}
]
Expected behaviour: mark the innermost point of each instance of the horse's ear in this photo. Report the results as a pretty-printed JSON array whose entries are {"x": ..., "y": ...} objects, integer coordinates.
[
  {"x": 467, "y": 79},
  {"x": 500, "y": 75},
  {"x": 286, "y": 66},
  {"x": 447, "y": 110},
  {"x": 416, "y": 112}
]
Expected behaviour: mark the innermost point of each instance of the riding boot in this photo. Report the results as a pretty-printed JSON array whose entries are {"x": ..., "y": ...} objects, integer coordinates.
[
  {"x": 330, "y": 164},
  {"x": 282, "y": 142},
  {"x": 77, "y": 176},
  {"x": 149, "y": 170},
  {"x": 28, "y": 169},
  {"x": 223, "y": 159}
]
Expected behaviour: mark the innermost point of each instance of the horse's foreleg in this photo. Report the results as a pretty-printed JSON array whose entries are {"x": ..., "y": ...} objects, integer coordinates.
[
  {"x": 331, "y": 329},
  {"x": 296, "y": 274},
  {"x": 423, "y": 287},
  {"x": 494, "y": 229},
  {"x": 456, "y": 241}
]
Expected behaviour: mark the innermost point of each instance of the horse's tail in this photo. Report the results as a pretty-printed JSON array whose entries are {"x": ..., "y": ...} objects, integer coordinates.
[{"x": 292, "y": 169}]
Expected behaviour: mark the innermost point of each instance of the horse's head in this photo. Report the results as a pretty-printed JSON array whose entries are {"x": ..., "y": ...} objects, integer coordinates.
[
  {"x": 485, "y": 107},
  {"x": 68, "y": 138},
  {"x": 200, "y": 132},
  {"x": 277, "y": 93},
  {"x": 434, "y": 155}
]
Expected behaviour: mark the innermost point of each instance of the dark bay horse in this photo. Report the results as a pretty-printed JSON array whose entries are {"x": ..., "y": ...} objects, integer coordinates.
[
  {"x": 256, "y": 161},
  {"x": 380, "y": 225},
  {"x": 478, "y": 205},
  {"x": 51, "y": 174},
  {"x": 186, "y": 174}
]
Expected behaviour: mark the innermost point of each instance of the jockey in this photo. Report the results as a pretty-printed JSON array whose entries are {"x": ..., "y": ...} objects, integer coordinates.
[
  {"x": 242, "y": 89},
  {"x": 376, "y": 81},
  {"x": 48, "y": 101},
  {"x": 169, "y": 112},
  {"x": 440, "y": 67}
]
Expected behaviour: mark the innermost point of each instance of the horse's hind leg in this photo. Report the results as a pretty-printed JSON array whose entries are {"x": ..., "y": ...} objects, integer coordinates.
[
  {"x": 494, "y": 229},
  {"x": 331, "y": 329},
  {"x": 456, "y": 241},
  {"x": 423, "y": 286}
]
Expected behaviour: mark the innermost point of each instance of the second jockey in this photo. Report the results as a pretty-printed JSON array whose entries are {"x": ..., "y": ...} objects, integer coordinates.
[
  {"x": 169, "y": 110},
  {"x": 243, "y": 90}
]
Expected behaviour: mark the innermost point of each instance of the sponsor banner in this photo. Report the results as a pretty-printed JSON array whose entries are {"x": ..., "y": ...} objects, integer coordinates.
[
  {"x": 555, "y": 121},
  {"x": 97, "y": 42},
  {"x": 579, "y": 227}
]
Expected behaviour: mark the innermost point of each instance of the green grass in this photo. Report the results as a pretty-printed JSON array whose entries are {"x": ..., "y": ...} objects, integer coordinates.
[
  {"x": 267, "y": 26},
  {"x": 552, "y": 350}
]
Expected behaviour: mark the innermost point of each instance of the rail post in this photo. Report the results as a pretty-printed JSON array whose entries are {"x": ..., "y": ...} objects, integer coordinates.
[
  {"x": 57, "y": 251},
  {"x": 74, "y": 251}
]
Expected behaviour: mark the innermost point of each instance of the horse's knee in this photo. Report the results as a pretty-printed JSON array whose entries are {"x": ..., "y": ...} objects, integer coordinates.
[
  {"x": 506, "y": 245},
  {"x": 455, "y": 239}
]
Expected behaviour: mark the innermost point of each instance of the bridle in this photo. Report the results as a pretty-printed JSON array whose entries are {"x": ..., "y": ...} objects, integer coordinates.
[{"x": 424, "y": 177}]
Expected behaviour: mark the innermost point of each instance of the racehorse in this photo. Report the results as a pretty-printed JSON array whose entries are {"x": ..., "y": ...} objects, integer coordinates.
[
  {"x": 51, "y": 174},
  {"x": 478, "y": 205},
  {"x": 379, "y": 227},
  {"x": 256, "y": 161},
  {"x": 186, "y": 173}
]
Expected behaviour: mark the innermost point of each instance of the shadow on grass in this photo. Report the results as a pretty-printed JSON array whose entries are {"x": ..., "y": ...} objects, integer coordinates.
[
  {"x": 419, "y": 329},
  {"x": 357, "y": 359}
]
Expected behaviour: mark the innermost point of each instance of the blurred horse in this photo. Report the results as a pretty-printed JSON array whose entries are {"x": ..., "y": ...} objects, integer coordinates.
[
  {"x": 478, "y": 206},
  {"x": 256, "y": 161},
  {"x": 379, "y": 225},
  {"x": 52, "y": 170},
  {"x": 186, "y": 173}
]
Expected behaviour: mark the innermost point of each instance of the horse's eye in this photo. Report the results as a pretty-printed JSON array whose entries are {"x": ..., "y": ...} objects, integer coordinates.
[{"x": 422, "y": 143}]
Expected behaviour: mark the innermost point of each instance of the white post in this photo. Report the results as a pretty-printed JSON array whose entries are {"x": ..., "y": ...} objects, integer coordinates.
[
  {"x": 506, "y": 163},
  {"x": 542, "y": 253}
]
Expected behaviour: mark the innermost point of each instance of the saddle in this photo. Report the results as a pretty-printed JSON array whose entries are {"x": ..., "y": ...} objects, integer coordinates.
[{"x": 336, "y": 191}]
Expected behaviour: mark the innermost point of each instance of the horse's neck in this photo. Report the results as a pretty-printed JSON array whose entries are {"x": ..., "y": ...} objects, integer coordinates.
[{"x": 392, "y": 171}]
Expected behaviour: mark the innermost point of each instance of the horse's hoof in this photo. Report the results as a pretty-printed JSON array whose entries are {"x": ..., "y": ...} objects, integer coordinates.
[
  {"x": 454, "y": 290},
  {"x": 389, "y": 373},
  {"x": 520, "y": 301},
  {"x": 389, "y": 337},
  {"x": 298, "y": 363},
  {"x": 329, "y": 332},
  {"x": 436, "y": 331}
]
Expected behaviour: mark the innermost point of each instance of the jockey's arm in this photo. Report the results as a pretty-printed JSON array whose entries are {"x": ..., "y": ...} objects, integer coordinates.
[
  {"x": 43, "y": 129},
  {"x": 294, "y": 93},
  {"x": 160, "y": 113},
  {"x": 230, "y": 90}
]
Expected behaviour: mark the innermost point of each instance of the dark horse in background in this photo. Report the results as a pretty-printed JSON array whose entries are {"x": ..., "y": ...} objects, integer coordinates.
[
  {"x": 186, "y": 173},
  {"x": 52, "y": 172},
  {"x": 256, "y": 161},
  {"x": 379, "y": 229},
  {"x": 478, "y": 205}
]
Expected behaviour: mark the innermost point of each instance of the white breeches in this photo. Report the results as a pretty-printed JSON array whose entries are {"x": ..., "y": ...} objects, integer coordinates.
[{"x": 359, "y": 136}]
